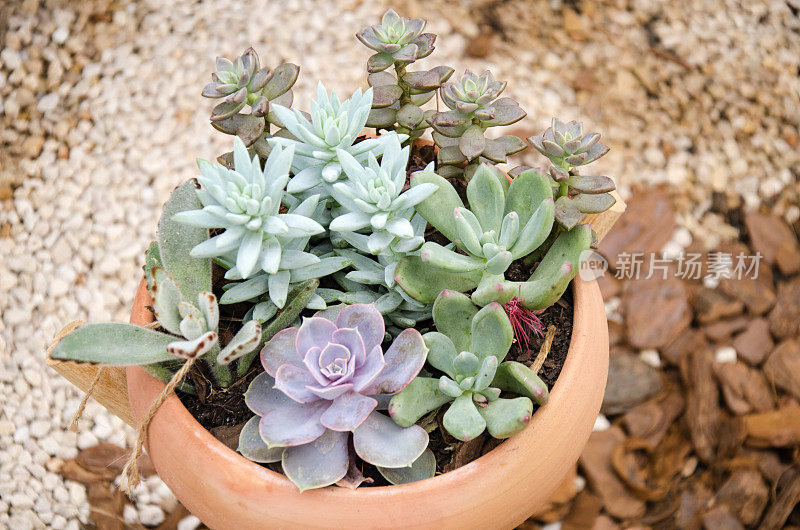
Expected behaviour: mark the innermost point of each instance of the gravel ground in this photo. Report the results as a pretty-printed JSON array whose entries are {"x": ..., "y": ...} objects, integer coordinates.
[{"x": 102, "y": 117}]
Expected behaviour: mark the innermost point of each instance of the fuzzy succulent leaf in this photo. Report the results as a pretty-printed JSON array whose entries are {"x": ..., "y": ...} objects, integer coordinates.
[
  {"x": 167, "y": 298},
  {"x": 515, "y": 377},
  {"x": 152, "y": 258},
  {"x": 114, "y": 344},
  {"x": 423, "y": 468},
  {"x": 506, "y": 417},
  {"x": 175, "y": 241}
]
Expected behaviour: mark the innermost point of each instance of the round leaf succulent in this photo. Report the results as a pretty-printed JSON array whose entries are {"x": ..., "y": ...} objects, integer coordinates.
[
  {"x": 333, "y": 126},
  {"x": 321, "y": 384},
  {"x": 246, "y": 203},
  {"x": 467, "y": 347},
  {"x": 396, "y": 39}
]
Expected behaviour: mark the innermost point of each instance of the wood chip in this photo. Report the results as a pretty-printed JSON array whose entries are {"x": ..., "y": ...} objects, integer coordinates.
[
  {"x": 702, "y": 403},
  {"x": 777, "y": 428}
]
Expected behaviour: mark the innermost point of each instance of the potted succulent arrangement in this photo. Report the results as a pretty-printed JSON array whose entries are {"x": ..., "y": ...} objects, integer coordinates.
[{"x": 358, "y": 308}]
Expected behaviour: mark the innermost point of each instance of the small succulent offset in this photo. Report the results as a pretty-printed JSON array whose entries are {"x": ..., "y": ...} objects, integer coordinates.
[
  {"x": 242, "y": 82},
  {"x": 175, "y": 281},
  {"x": 568, "y": 147},
  {"x": 332, "y": 127},
  {"x": 321, "y": 384},
  {"x": 374, "y": 209},
  {"x": 475, "y": 106},
  {"x": 469, "y": 348},
  {"x": 399, "y": 96},
  {"x": 246, "y": 202}
]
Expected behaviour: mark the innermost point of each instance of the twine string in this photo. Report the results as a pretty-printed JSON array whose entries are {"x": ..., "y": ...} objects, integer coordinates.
[{"x": 544, "y": 351}]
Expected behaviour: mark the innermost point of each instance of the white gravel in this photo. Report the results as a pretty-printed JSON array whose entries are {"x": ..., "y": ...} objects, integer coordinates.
[{"x": 104, "y": 146}]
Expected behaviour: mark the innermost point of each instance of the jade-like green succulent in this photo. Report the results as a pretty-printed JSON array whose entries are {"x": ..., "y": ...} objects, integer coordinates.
[
  {"x": 505, "y": 222},
  {"x": 399, "y": 96},
  {"x": 320, "y": 385},
  {"x": 396, "y": 39},
  {"x": 242, "y": 82},
  {"x": 568, "y": 147},
  {"x": 332, "y": 127},
  {"x": 475, "y": 106},
  {"x": 469, "y": 347}
]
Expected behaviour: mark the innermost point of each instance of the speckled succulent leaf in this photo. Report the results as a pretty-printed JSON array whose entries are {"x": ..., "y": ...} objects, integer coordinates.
[
  {"x": 438, "y": 208},
  {"x": 317, "y": 464},
  {"x": 462, "y": 419},
  {"x": 423, "y": 467},
  {"x": 253, "y": 448},
  {"x": 152, "y": 258},
  {"x": 166, "y": 300},
  {"x": 114, "y": 344},
  {"x": 192, "y": 348},
  {"x": 491, "y": 332},
  {"x": 506, "y": 417},
  {"x": 381, "y": 442},
  {"x": 419, "y": 398},
  {"x": 175, "y": 241},
  {"x": 453, "y": 313},
  {"x": 517, "y": 378},
  {"x": 245, "y": 341},
  {"x": 423, "y": 282}
]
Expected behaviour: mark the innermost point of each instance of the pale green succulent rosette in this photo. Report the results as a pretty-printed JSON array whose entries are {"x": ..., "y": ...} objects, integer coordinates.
[{"x": 333, "y": 126}]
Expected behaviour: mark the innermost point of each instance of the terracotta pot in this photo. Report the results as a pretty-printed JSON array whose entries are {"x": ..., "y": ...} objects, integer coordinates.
[{"x": 499, "y": 490}]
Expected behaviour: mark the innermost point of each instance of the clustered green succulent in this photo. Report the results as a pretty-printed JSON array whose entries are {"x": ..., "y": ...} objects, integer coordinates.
[
  {"x": 398, "y": 99},
  {"x": 326, "y": 255}
]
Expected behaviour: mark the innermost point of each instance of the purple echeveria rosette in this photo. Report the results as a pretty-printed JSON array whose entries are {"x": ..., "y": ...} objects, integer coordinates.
[{"x": 321, "y": 384}]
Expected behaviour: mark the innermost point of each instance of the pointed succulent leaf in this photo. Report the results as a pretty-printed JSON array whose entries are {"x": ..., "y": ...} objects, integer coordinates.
[
  {"x": 517, "y": 378},
  {"x": 439, "y": 207},
  {"x": 486, "y": 198},
  {"x": 245, "y": 341},
  {"x": 386, "y": 95},
  {"x": 442, "y": 258},
  {"x": 325, "y": 267},
  {"x": 283, "y": 78},
  {"x": 506, "y": 417},
  {"x": 381, "y": 442},
  {"x": 166, "y": 299},
  {"x": 423, "y": 467},
  {"x": 176, "y": 240},
  {"x": 567, "y": 213},
  {"x": 453, "y": 313},
  {"x": 505, "y": 114},
  {"x": 253, "y": 448},
  {"x": 593, "y": 203},
  {"x": 416, "y": 400},
  {"x": 114, "y": 344},
  {"x": 379, "y": 62},
  {"x": 423, "y": 282},
  {"x": 226, "y": 109},
  {"x": 317, "y": 464},
  {"x": 462, "y": 419},
  {"x": 472, "y": 143},
  {"x": 381, "y": 118},
  {"x": 491, "y": 332},
  {"x": 494, "y": 151}
]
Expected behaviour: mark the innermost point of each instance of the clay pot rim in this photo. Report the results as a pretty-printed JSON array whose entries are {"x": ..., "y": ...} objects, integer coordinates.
[{"x": 579, "y": 349}]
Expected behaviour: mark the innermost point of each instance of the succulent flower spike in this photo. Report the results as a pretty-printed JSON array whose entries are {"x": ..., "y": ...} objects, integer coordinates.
[
  {"x": 468, "y": 347},
  {"x": 320, "y": 385},
  {"x": 246, "y": 202},
  {"x": 242, "y": 82},
  {"x": 567, "y": 147},
  {"x": 333, "y": 127},
  {"x": 475, "y": 106},
  {"x": 373, "y": 202},
  {"x": 396, "y": 39}
]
